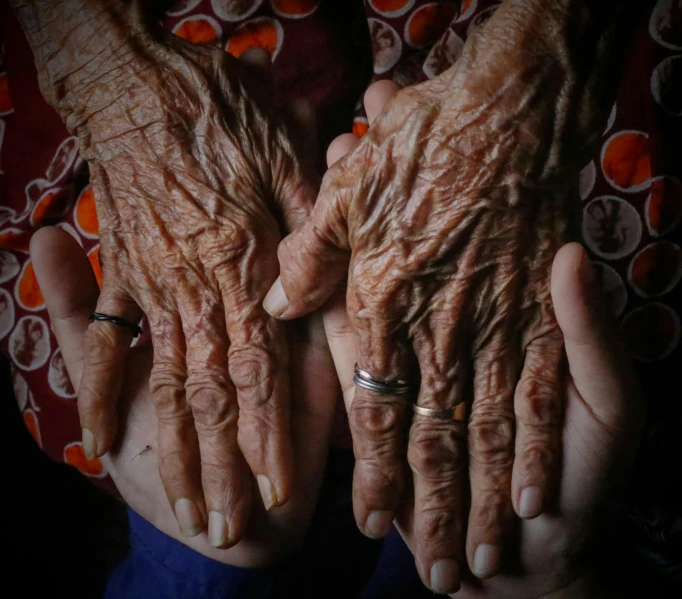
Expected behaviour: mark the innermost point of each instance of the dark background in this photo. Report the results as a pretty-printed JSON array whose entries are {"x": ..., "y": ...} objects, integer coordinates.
[{"x": 64, "y": 534}]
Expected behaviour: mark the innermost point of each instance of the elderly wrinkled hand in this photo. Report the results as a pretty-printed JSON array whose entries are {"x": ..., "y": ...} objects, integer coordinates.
[
  {"x": 194, "y": 180},
  {"x": 70, "y": 291},
  {"x": 445, "y": 219},
  {"x": 604, "y": 418}
]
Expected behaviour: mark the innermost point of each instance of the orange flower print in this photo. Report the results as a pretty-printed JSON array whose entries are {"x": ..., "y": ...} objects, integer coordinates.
[
  {"x": 626, "y": 161},
  {"x": 27, "y": 289},
  {"x": 656, "y": 269},
  {"x": 86, "y": 214},
  {"x": 15, "y": 239},
  {"x": 428, "y": 23},
  {"x": 31, "y": 422},
  {"x": 50, "y": 206},
  {"x": 360, "y": 126},
  {"x": 75, "y": 456},
  {"x": 263, "y": 33},
  {"x": 663, "y": 209},
  {"x": 93, "y": 256},
  {"x": 198, "y": 29}
]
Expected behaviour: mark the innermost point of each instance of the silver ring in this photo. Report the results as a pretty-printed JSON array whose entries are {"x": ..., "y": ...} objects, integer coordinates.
[
  {"x": 365, "y": 380},
  {"x": 457, "y": 413}
]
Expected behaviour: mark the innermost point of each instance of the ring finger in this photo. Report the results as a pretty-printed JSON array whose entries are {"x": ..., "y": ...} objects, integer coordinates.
[{"x": 106, "y": 345}]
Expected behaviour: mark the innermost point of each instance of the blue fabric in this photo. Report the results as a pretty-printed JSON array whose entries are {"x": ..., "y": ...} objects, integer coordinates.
[{"x": 159, "y": 567}]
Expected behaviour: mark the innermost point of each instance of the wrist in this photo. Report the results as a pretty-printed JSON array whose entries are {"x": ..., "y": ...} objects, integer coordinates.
[
  {"x": 75, "y": 41},
  {"x": 549, "y": 71}
]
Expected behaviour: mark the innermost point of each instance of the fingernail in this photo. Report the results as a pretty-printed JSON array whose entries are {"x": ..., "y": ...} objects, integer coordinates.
[
  {"x": 276, "y": 302},
  {"x": 89, "y": 445},
  {"x": 586, "y": 270},
  {"x": 189, "y": 517},
  {"x": 267, "y": 491},
  {"x": 530, "y": 502},
  {"x": 218, "y": 530},
  {"x": 445, "y": 576},
  {"x": 486, "y": 560},
  {"x": 378, "y": 524}
]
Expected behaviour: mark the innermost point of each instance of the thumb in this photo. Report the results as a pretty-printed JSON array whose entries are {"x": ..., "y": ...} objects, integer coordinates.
[
  {"x": 599, "y": 365},
  {"x": 70, "y": 290},
  {"x": 313, "y": 260}
]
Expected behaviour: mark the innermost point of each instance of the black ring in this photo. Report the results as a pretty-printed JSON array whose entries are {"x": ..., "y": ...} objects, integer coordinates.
[{"x": 118, "y": 321}]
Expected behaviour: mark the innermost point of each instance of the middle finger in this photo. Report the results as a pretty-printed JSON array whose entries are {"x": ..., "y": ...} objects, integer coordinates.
[
  {"x": 378, "y": 421},
  {"x": 212, "y": 399}
]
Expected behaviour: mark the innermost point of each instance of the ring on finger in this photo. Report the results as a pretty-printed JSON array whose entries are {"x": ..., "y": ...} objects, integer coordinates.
[
  {"x": 136, "y": 330},
  {"x": 456, "y": 413},
  {"x": 365, "y": 380}
]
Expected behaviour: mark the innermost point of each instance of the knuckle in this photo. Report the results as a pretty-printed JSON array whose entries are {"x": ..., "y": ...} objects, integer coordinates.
[
  {"x": 379, "y": 478},
  {"x": 491, "y": 437},
  {"x": 209, "y": 399},
  {"x": 540, "y": 453},
  {"x": 216, "y": 478},
  {"x": 173, "y": 469},
  {"x": 166, "y": 384},
  {"x": 287, "y": 250},
  {"x": 233, "y": 239},
  {"x": 299, "y": 252},
  {"x": 253, "y": 436},
  {"x": 104, "y": 346},
  {"x": 380, "y": 418},
  {"x": 92, "y": 403},
  {"x": 258, "y": 429},
  {"x": 490, "y": 511},
  {"x": 177, "y": 459},
  {"x": 223, "y": 470},
  {"x": 438, "y": 524},
  {"x": 377, "y": 293},
  {"x": 538, "y": 401},
  {"x": 436, "y": 453},
  {"x": 253, "y": 372}
]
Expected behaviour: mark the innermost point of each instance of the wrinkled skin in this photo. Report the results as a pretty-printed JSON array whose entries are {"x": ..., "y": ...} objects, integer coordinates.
[
  {"x": 194, "y": 181},
  {"x": 604, "y": 413},
  {"x": 70, "y": 291},
  {"x": 445, "y": 218},
  {"x": 603, "y": 419}
]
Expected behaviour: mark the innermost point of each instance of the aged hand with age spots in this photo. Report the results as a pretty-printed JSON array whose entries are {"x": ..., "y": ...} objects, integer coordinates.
[
  {"x": 445, "y": 219},
  {"x": 194, "y": 180},
  {"x": 71, "y": 293}
]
